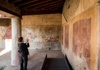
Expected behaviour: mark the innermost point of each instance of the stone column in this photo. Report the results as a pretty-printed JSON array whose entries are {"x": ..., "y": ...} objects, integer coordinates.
[{"x": 16, "y": 32}]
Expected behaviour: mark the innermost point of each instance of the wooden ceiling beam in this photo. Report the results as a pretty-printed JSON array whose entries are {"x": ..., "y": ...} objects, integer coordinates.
[
  {"x": 22, "y": 3},
  {"x": 28, "y": 2},
  {"x": 41, "y": 12},
  {"x": 49, "y": 5},
  {"x": 40, "y": 3},
  {"x": 9, "y": 11},
  {"x": 9, "y": 8},
  {"x": 13, "y": 1},
  {"x": 54, "y": 7}
]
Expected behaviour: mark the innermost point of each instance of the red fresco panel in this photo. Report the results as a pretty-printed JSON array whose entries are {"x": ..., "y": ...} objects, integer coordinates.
[
  {"x": 5, "y": 33},
  {"x": 81, "y": 38},
  {"x": 8, "y": 34},
  {"x": 66, "y": 36}
]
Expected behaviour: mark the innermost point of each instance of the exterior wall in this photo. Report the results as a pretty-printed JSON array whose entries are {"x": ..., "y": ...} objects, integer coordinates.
[
  {"x": 43, "y": 31},
  {"x": 5, "y": 32},
  {"x": 81, "y": 25}
]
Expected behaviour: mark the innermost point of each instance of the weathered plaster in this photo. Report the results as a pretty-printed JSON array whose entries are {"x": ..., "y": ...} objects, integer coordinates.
[
  {"x": 90, "y": 12},
  {"x": 81, "y": 40},
  {"x": 5, "y": 31},
  {"x": 43, "y": 31},
  {"x": 75, "y": 8},
  {"x": 67, "y": 36},
  {"x": 98, "y": 36}
]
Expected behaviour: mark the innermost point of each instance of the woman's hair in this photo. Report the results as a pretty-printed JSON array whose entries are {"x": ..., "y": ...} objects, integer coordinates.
[{"x": 20, "y": 39}]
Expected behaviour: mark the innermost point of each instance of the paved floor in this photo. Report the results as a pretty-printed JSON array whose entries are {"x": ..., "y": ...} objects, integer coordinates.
[{"x": 35, "y": 62}]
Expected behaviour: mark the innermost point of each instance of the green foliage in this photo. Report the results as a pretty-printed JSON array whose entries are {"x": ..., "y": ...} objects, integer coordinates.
[{"x": 2, "y": 68}]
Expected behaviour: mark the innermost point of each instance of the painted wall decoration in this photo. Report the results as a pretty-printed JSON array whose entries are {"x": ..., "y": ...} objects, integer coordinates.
[
  {"x": 66, "y": 36},
  {"x": 43, "y": 36},
  {"x": 81, "y": 39},
  {"x": 8, "y": 33},
  {"x": 5, "y": 33}
]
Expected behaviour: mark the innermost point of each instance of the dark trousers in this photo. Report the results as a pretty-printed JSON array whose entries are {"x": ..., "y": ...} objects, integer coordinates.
[{"x": 23, "y": 62}]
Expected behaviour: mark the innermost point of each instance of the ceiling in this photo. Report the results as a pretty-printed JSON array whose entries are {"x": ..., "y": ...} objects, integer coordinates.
[{"x": 32, "y": 7}]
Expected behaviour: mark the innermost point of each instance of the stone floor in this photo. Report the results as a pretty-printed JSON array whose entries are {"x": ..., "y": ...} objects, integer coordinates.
[{"x": 35, "y": 62}]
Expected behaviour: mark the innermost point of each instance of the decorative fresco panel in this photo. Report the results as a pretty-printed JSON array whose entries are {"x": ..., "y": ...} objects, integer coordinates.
[
  {"x": 66, "y": 36},
  {"x": 5, "y": 33},
  {"x": 43, "y": 36},
  {"x": 81, "y": 38},
  {"x": 8, "y": 33}
]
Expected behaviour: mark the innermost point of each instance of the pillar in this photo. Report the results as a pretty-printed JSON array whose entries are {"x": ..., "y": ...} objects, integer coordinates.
[{"x": 16, "y": 32}]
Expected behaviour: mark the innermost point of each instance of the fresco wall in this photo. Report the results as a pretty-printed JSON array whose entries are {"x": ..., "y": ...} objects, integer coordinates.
[
  {"x": 45, "y": 37},
  {"x": 66, "y": 36},
  {"x": 75, "y": 8},
  {"x": 5, "y": 31},
  {"x": 81, "y": 40},
  {"x": 82, "y": 21},
  {"x": 44, "y": 32}
]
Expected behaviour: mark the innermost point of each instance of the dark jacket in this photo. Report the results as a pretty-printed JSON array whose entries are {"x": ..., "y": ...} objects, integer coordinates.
[
  {"x": 27, "y": 45},
  {"x": 23, "y": 48}
]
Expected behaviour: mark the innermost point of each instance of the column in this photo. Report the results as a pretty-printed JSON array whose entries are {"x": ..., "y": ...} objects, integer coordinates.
[{"x": 16, "y": 32}]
